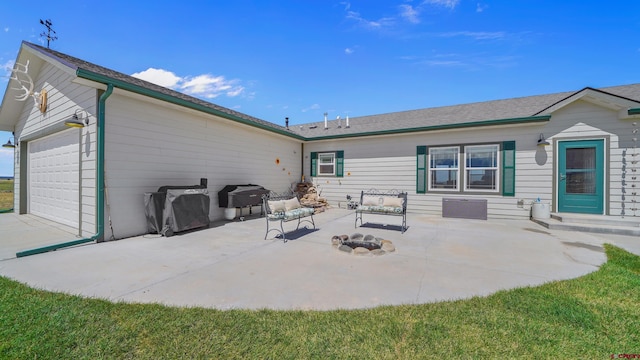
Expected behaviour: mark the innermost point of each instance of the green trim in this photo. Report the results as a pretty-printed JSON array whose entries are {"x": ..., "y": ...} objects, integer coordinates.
[
  {"x": 89, "y": 75},
  {"x": 99, "y": 235},
  {"x": 421, "y": 170},
  {"x": 314, "y": 163},
  {"x": 509, "y": 168},
  {"x": 634, "y": 111},
  {"x": 340, "y": 163},
  {"x": 525, "y": 120}
]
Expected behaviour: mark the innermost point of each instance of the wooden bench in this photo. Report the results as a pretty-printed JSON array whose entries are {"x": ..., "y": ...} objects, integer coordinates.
[
  {"x": 392, "y": 203},
  {"x": 281, "y": 208}
]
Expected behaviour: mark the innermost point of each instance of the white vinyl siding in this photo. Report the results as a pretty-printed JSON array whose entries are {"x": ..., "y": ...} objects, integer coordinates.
[{"x": 150, "y": 144}]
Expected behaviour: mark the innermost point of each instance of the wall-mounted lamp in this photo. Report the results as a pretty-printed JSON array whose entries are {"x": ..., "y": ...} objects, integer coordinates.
[
  {"x": 9, "y": 144},
  {"x": 542, "y": 141},
  {"x": 77, "y": 120}
]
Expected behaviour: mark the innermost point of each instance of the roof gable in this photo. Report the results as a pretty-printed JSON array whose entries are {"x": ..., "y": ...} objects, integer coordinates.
[{"x": 597, "y": 97}]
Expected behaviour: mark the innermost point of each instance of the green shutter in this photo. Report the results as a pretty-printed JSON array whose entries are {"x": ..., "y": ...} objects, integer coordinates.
[
  {"x": 340, "y": 163},
  {"x": 421, "y": 170},
  {"x": 509, "y": 168},
  {"x": 314, "y": 163}
]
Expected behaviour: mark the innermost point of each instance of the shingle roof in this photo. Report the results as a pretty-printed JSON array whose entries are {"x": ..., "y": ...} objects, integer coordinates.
[{"x": 516, "y": 108}]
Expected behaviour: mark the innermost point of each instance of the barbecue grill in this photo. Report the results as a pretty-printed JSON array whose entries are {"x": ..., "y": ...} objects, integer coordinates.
[
  {"x": 239, "y": 196},
  {"x": 177, "y": 208}
]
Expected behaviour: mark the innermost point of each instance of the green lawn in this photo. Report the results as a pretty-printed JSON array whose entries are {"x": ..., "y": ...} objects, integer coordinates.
[
  {"x": 6, "y": 194},
  {"x": 592, "y": 317}
]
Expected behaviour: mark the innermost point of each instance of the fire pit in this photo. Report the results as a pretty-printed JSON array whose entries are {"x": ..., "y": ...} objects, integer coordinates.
[{"x": 359, "y": 244}]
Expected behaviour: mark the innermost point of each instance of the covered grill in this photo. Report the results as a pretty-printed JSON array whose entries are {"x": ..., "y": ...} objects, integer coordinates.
[
  {"x": 239, "y": 196},
  {"x": 177, "y": 208}
]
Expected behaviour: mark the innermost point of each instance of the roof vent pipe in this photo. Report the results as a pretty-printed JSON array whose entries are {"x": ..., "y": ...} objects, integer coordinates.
[
  {"x": 326, "y": 126},
  {"x": 286, "y": 123},
  {"x": 347, "y": 120},
  {"x": 339, "y": 121}
]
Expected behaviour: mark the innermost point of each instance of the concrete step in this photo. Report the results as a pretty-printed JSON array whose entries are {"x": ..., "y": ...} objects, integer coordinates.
[
  {"x": 595, "y": 224},
  {"x": 597, "y": 219}
]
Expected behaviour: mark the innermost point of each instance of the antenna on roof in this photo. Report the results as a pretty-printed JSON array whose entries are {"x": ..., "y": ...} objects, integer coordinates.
[{"x": 47, "y": 23}]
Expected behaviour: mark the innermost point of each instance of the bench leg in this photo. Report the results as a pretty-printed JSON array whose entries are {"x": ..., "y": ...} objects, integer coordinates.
[
  {"x": 358, "y": 216},
  {"x": 281, "y": 231}
]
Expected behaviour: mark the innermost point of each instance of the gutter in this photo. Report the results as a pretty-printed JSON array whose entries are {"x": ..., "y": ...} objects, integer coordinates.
[
  {"x": 634, "y": 111},
  {"x": 99, "y": 235}
]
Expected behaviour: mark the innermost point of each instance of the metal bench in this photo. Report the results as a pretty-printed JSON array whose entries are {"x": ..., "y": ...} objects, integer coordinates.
[
  {"x": 281, "y": 208},
  {"x": 376, "y": 202}
]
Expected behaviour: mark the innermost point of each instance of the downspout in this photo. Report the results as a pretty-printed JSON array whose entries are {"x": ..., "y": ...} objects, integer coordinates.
[
  {"x": 99, "y": 235},
  {"x": 301, "y": 162}
]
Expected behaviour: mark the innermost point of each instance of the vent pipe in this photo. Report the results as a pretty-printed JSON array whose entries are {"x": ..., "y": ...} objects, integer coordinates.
[
  {"x": 347, "y": 120},
  {"x": 286, "y": 123},
  {"x": 339, "y": 121},
  {"x": 326, "y": 126}
]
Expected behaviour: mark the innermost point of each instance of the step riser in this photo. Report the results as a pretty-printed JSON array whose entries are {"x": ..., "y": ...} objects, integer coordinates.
[
  {"x": 597, "y": 221},
  {"x": 596, "y": 230}
]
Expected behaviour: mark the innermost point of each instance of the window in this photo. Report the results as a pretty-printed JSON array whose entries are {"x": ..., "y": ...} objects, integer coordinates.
[
  {"x": 481, "y": 167},
  {"x": 478, "y": 168},
  {"x": 326, "y": 164},
  {"x": 444, "y": 168}
]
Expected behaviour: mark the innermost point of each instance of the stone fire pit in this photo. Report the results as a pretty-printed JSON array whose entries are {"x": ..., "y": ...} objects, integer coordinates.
[{"x": 359, "y": 244}]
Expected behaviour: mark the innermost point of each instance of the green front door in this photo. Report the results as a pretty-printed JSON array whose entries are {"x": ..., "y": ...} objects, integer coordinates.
[{"x": 581, "y": 176}]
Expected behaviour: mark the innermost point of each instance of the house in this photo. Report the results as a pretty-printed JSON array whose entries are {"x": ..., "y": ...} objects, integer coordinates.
[{"x": 576, "y": 151}]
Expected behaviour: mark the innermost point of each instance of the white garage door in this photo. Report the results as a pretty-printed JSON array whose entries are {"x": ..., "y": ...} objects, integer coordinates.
[{"x": 54, "y": 168}]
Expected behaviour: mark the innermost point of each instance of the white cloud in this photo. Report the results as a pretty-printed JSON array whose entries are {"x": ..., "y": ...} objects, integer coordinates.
[
  {"x": 477, "y": 35},
  {"x": 410, "y": 13},
  {"x": 312, "y": 107},
  {"x": 349, "y": 51},
  {"x": 6, "y": 29},
  {"x": 204, "y": 86},
  {"x": 159, "y": 77},
  {"x": 444, "y": 3},
  {"x": 370, "y": 24},
  {"x": 481, "y": 7}
]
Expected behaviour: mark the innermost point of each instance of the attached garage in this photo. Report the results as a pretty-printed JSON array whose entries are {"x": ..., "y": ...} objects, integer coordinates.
[{"x": 54, "y": 177}]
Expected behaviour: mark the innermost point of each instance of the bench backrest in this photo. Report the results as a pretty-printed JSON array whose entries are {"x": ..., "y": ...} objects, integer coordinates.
[{"x": 392, "y": 193}]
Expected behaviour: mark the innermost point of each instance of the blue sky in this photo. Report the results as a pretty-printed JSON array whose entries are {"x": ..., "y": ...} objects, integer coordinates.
[{"x": 300, "y": 59}]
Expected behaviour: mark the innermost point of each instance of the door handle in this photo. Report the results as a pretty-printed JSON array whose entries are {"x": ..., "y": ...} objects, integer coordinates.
[{"x": 563, "y": 177}]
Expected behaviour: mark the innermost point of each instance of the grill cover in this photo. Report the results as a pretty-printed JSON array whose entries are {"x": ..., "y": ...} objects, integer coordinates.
[
  {"x": 237, "y": 196},
  {"x": 185, "y": 209}
]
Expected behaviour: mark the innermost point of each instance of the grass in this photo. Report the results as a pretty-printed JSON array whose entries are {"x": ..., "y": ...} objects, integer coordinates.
[
  {"x": 6, "y": 194},
  {"x": 595, "y": 316}
]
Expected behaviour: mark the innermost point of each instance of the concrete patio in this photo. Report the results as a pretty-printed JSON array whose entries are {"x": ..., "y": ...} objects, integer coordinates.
[{"x": 230, "y": 266}]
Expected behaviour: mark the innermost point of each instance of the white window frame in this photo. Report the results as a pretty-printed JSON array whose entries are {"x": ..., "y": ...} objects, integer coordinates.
[
  {"x": 332, "y": 155},
  {"x": 495, "y": 168},
  {"x": 432, "y": 169}
]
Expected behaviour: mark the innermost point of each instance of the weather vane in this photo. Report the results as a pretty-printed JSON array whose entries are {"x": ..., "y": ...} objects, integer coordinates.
[{"x": 50, "y": 38}]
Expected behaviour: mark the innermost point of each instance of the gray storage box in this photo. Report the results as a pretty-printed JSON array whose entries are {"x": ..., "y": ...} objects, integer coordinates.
[{"x": 464, "y": 208}]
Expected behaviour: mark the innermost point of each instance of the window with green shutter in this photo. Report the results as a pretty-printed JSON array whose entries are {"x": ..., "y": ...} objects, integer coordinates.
[
  {"x": 327, "y": 163},
  {"x": 509, "y": 168}
]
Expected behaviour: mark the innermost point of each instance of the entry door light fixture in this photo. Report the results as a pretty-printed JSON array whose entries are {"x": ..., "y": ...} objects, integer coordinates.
[{"x": 542, "y": 141}]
